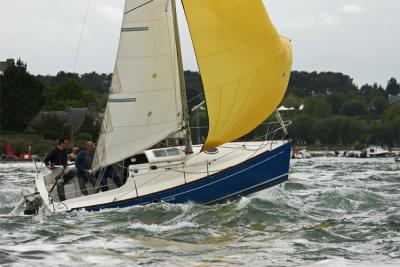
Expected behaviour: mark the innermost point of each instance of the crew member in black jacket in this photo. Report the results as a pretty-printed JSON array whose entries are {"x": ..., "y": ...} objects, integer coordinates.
[{"x": 59, "y": 156}]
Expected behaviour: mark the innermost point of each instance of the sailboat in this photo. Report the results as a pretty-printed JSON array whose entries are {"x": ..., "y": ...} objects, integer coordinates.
[{"x": 245, "y": 67}]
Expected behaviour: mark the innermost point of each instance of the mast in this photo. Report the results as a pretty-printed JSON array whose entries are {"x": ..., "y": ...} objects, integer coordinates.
[{"x": 185, "y": 109}]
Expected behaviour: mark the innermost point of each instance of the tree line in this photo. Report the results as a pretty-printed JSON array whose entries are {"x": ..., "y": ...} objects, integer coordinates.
[{"x": 336, "y": 111}]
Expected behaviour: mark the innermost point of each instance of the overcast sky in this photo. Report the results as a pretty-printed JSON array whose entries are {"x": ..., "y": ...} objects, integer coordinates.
[{"x": 360, "y": 38}]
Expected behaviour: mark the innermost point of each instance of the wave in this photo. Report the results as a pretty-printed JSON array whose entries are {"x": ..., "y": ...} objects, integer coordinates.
[{"x": 157, "y": 228}]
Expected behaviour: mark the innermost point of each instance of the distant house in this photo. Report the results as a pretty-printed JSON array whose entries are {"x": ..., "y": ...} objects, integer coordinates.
[
  {"x": 5, "y": 64},
  {"x": 73, "y": 118}
]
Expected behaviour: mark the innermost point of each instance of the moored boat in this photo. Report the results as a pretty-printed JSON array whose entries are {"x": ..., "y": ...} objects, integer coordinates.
[
  {"x": 377, "y": 151},
  {"x": 300, "y": 154}
]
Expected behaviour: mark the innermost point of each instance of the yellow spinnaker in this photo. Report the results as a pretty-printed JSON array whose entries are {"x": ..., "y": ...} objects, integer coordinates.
[{"x": 245, "y": 65}]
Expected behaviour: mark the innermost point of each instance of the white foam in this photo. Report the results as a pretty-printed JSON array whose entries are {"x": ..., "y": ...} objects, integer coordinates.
[
  {"x": 158, "y": 228},
  {"x": 349, "y": 263}
]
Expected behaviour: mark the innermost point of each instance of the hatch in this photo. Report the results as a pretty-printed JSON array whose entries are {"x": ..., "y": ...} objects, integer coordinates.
[{"x": 164, "y": 155}]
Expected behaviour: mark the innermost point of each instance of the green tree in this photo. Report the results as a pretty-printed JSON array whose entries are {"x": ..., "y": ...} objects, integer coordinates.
[
  {"x": 292, "y": 101},
  {"x": 317, "y": 106},
  {"x": 391, "y": 132},
  {"x": 96, "y": 82},
  {"x": 352, "y": 130},
  {"x": 68, "y": 93},
  {"x": 328, "y": 130},
  {"x": 21, "y": 97},
  {"x": 336, "y": 130},
  {"x": 194, "y": 87},
  {"x": 385, "y": 132},
  {"x": 302, "y": 129},
  {"x": 298, "y": 91},
  {"x": 393, "y": 88},
  {"x": 93, "y": 81},
  {"x": 390, "y": 127},
  {"x": 304, "y": 84},
  {"x": 371, "y": 91},
  {"x": 354, "y": 108},
  {"x": 336, "y": 101},
  {"x": 378, "y": 105},
  {"x": 392, "y": 112},
  {"x": 199, "y": 126},
  {"x": 101, "y": 100}
]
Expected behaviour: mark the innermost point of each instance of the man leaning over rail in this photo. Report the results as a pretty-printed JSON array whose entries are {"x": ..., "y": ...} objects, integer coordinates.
[{"x": 59, "y": 157}]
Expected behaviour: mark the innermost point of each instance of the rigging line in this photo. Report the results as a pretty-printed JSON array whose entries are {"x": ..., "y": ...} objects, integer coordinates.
[
  {"x": 193, "y": 98},
  {"x": 81, "y": 36},
  {"x": 173, "y": 55},
  {"x": 129, "y": 11}
]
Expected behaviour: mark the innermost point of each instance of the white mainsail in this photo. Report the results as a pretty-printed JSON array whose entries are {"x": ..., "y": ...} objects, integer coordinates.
[{"x": 144, "y": 104}]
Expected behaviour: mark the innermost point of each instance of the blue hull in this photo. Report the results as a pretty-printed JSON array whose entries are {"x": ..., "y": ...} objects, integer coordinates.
[{"x": 265, "y": 170}]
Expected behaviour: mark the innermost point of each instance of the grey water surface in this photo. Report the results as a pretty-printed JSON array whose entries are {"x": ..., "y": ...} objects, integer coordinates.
[{"x": 332, "y": 212}]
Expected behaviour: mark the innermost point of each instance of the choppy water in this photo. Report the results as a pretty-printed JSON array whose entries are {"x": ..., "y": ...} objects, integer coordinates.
[{"x": 332, "y": 212}]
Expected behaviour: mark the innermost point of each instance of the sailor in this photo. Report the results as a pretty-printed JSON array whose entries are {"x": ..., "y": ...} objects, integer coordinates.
[
  {"x": 59, "y": 157},
  {"x": 83, "y": 164}
]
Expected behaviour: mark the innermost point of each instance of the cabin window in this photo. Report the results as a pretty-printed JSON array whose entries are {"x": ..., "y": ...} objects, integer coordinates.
[
  {"x": 172, "y": 152},
  {"x": 160, "y": 153}
]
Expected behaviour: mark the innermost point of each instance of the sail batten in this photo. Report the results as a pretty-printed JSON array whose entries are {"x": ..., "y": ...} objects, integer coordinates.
[
  {"x": 144, "y": 104},
  {"x": 244, "y": 64}
]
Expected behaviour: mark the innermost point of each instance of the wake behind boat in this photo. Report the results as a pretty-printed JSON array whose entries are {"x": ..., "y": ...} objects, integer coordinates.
[{"x": 245, "y": 67}]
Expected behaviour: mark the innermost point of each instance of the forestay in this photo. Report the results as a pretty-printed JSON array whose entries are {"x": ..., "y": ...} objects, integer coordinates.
[
  {"x": 144, "y": 104},
  {"x": 245, "y": 65}
]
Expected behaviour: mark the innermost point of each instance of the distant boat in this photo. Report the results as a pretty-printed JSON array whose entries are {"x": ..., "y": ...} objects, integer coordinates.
[
  {"x": 377, "y": 151},
  {"x": 300, "y": 154},
  {"x": 369, "y": 152},
  {"x": 11, "y": 157},
  {"x": 245, "y": 67}
]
